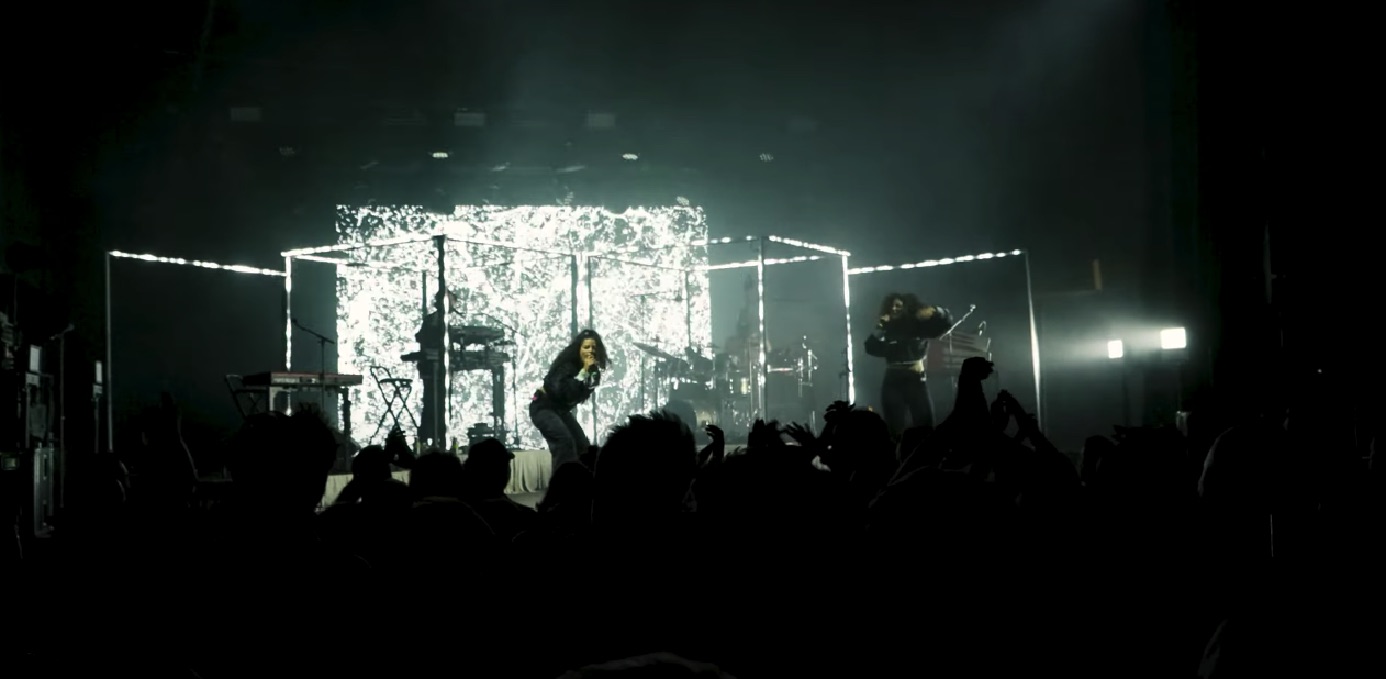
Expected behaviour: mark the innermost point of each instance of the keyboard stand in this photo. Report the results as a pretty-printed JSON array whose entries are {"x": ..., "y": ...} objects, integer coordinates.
[{"x": 249, "y": 400}]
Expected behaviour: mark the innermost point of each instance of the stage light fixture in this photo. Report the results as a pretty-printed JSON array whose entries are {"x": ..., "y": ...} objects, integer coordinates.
[
  {"x": 1115, "y": 349},
  {"x": 1173, "y": 338}
]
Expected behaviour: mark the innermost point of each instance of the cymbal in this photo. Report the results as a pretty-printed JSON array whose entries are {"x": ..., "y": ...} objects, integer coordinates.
[{"x": 655, "y": 352}]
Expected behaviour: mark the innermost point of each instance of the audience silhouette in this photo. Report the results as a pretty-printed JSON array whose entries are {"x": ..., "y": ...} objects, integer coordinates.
[{"x": 1239, "y": 545}]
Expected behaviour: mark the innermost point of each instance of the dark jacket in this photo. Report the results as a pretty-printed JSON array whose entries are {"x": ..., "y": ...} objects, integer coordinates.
[
  {"x": 907, "y": 340},
  {"x": 563, "y": 391}
]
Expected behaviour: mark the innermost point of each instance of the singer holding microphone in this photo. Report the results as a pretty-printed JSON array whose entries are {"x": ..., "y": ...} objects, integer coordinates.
[
  {"x": 571, "y": 379},
  {"x": 902, "y": 338}
]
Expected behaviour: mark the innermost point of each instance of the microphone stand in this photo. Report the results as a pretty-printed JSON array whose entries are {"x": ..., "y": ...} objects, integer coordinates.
[
  {"x": 960, "y": 321},
  {"x": 323, "y": 341}
]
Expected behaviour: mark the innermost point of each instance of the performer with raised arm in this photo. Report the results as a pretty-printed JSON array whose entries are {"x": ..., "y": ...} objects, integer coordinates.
[
  {"x": 902, "y": 339},
  {"x": 571, "y": 379}
]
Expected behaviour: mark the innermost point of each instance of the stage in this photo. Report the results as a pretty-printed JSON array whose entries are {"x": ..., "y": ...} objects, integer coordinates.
[{"x": 529, "y": 477}]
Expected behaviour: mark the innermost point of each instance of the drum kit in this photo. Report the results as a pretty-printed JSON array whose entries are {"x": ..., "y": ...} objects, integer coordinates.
[{"x": 724, "y": 389}]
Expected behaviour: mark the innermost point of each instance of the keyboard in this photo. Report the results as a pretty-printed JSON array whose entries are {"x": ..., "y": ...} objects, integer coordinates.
[{"x": 296, "y": 378}]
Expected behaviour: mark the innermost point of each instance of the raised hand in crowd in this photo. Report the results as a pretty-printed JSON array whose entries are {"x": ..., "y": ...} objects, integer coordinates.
[{"x": 716, "y": 450}]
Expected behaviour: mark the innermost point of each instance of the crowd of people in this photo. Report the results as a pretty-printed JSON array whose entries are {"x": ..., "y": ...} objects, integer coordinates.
[{"x": 972, "y": 548}]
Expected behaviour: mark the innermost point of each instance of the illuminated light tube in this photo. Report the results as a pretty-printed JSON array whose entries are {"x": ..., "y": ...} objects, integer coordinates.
[
  {"x": 389, "y": 242},
  {"x": 847, "y": 299},
  {"x": 753, "y": 263},
  {"x": 331, "y": 261},
  {"x": 724, "y": 241},
  {"x": 808, "y": 246},
  {"x": 334, "y": 261},
  {"x": 288, "y": 313},
  {"x": 945, "y": 261},
  {"x": 235, "y": 268}
]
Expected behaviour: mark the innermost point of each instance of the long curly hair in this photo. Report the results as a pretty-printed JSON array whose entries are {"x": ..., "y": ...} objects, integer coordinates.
[
  {"x": 912, "y": 303},
  {"x": 572, "y": 354}
]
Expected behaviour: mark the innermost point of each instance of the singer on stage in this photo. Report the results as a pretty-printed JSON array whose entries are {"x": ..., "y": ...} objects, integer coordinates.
[
  {"x": 571, "y": 379},
  {"x": 902, "y": 339}
]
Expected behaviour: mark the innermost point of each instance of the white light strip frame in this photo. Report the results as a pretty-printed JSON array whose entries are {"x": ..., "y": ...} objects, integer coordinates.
[
  {"x": 315, "y": 254},
  {"x": 851, "y": 349},
  {"x": 945, "y": 261},
  {"x": 334, "y": 261},
  {"x": 108, "y": 391},
  {"x": 201, "y": 264},
  {"x": 289, "y": 313},
  {"x": 759, "y": 263},
  {"x": 761, "y": 407}
]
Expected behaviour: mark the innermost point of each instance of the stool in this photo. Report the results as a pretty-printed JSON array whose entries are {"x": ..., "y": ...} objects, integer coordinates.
[{"x": 399, "y": 390}]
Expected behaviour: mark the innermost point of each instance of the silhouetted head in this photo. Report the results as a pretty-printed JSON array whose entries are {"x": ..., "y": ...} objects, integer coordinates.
[
  {"x": 900, "y": 304},
  {"x": 436, "y": 474},
  {"x": 663, "y": 665},
  {"x": 372, "y": 463},
  {"x": 570, "y": 488},
  {"x": 645, "y": 469},
  {"x": 868, "y": 429},
  {"x": 586, "y": 343},
  {"x": 282, "y": 461},
  {"x": 487, "y": 469}
]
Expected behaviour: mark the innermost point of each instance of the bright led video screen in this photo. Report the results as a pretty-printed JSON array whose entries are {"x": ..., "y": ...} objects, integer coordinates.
[{"x": 511, "y": 270}]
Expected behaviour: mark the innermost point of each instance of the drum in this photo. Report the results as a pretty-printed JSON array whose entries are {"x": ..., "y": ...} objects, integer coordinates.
[
  {"x": 784, "y": 360},
  {"x": 692, "y": 392},
  {"x": 727, "y": 375},
  {"x": 700, "y": 367}
]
